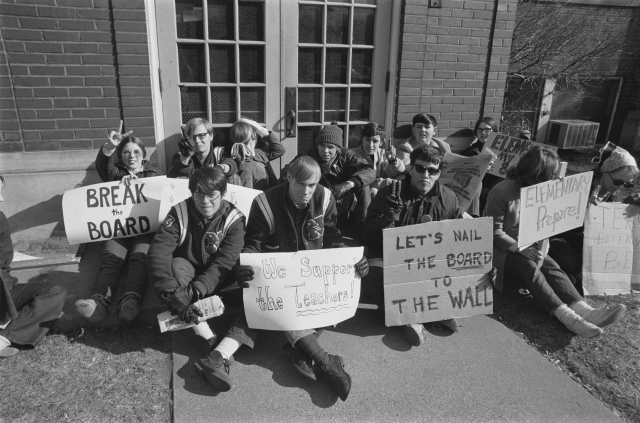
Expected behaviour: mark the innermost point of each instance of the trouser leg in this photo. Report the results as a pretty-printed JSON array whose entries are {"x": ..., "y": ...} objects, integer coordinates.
[
  {"x": 372, "y": 287},
  {"x": 137, "y": 277},
  {"x": 114, "y": 253},
  {"x": 363, "y": 197}
]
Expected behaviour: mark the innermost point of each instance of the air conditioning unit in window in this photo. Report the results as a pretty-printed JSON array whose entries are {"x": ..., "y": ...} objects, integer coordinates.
[{"x": 573, "y": 133}]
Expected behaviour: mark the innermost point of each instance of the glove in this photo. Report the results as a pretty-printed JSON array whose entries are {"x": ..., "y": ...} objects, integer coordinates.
[
  {"x": 394, "y": 203},
  {"x": 362, "y": 267},
  {"x": 243, "y": 275},
  {"x": 340, "y": 189},
  {"x": 191, "y": 314},
  {"x": 182, "y": 298},
  {"x": 633, "y": 199},
  {"x": 186, "y": 147}
]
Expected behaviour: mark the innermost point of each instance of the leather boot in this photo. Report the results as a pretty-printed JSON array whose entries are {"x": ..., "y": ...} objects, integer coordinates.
[{"x": 339, "y": 379}]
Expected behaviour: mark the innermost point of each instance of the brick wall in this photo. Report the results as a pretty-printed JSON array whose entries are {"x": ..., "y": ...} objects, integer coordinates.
[
  {"x": 443, "y": 61},
  {"x": 64, "y": 81}
]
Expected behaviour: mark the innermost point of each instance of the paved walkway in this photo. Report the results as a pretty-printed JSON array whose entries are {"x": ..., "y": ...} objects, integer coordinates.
[{"x": 484, "y": 373}]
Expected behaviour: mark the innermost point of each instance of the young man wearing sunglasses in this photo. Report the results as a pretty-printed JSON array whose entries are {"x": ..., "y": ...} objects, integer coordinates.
[{"x": 417, "y": 199}]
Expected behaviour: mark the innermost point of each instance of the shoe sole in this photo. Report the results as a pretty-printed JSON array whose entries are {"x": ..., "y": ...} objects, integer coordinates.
[
  {"x": 8, "y": 352},
  {"x": 412, "y": 337},
  {"x": 301, "y": 370},
  {"x": 615, "y": 316},
  {"x": 96, "y": 317},
  {"x": 217, "y": 382},
  {"x": 346, "y": 395},
  {"x": 128, "y": 313}
]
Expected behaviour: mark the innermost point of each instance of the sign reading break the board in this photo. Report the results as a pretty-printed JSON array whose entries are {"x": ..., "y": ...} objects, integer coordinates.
[
  {"x": 438, "y": 270},
  {"x": 553, "y": 207},
  {"x": 611, "y": 257},
  {"x": 303, "y": 290},
  {"x": 509, "y": 150}
]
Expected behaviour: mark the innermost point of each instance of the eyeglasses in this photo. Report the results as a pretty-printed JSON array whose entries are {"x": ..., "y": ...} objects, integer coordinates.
[
  {"x": 618, "y": 182},
  {"x": 430, "y": 170},
  {"x": 202, "y": 136},
  {"x": 485, "y": 130},
  {"x": 136, "y": 153},
  {"x": 212, "y": 197}
]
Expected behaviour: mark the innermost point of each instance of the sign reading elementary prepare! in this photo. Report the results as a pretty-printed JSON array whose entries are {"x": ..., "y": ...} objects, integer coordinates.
[
  {"x": 438, "y": 270},
  {"x": 112, "y": 210},
  {"x": 553, "y": 207},
  {"x": 509, "y": 150},
  {"x": 611, "y": 257},
  {"x": 463, "y": 175},
  {"x": 303, "y": 290}
]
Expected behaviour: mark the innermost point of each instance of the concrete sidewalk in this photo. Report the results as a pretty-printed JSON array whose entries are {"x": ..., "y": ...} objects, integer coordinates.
[{"x": 483, "y": 373}]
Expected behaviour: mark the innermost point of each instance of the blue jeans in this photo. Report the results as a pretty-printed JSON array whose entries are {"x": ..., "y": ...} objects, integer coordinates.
[
  {"x": 114, "y": 254},
  {"x": 184, "y": 272},
  {"x": 39, "y": 305}
]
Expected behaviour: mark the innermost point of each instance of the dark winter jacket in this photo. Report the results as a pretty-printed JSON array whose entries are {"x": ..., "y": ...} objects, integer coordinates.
[
  {"x": 212, "y": 246},
  {"x": 217, "y": 156},
  {"x": 111, "y": 169},
  {"x": 256, "y": 171}
]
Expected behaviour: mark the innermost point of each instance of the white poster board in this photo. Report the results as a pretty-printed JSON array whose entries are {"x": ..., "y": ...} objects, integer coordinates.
[
  {"x": 611, "y": 251},
  {"x": 553, "y": 207},
  {"x": 112, "y": 210},
  {"x": 463, "y": 175},
  {"x": 509, "y": 150},
  {"x": 302, "y": 290},
  {"x": 438, "y": 270}
]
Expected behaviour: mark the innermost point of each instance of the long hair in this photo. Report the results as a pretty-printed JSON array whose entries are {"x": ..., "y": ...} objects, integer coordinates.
[
  {"x": 239, "y": 134},
  {"x": 536, "y": 166},
  {"x": 126, "y": 140},
  {"x": 304, "y": 169}
]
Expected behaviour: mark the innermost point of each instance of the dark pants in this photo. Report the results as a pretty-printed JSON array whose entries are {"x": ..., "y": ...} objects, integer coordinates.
[
  {"x": 372, "y": 287},
  {"x": 184, "y": 272},
  {"x": 114, "y": 254},
  {"x": 39, "y": 305},
  {"x": 352, "y": 206},
  {"x": 548, "y": 284},
  {"x": 569, "y": 258}
]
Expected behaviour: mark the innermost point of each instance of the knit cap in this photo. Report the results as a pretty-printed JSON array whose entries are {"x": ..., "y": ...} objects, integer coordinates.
[{"x": 330, "y": 134}]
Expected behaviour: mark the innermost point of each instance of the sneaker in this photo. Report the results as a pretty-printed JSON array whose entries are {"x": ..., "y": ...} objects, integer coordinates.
[
  {"x": 339, "y": 379},
  {"x": 7, "y": 352},
  {"x": 602, "y": 317},
  {"x": 451, "y": 324},
  {"x": 301, "y": 361},
  {"x": 215, "y": 370},
  {"x": 92, "y": 310},
  {"x": 415, "y": 334},
  {"x": 129, "y": 308}
]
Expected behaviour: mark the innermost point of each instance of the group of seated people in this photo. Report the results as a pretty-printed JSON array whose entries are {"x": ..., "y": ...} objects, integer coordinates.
[{"x": 377, "y": 185}]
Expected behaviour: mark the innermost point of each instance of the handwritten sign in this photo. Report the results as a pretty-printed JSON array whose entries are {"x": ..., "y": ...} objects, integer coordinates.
[
  {"x": 553, "y": 207},
  {"x": 509, "y": 150},
  {"x": 112, "y": 210},
  {"x": 437, "y": 270},
  {"x": 303, "y": 290},
  {"x": 463, "y": 175},
  {"x": 611, "y": 257}
]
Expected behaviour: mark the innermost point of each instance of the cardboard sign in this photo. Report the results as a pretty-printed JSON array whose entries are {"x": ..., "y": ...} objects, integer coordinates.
[
  {"x": 112, "y": 210},
  {"x": 463, "y": 175},
  {"x": 303, "y": 290},
  {"x": 438, "y": 270},
  {"x": 611, "y": 259},
  {"x": 509, "y": 150},
  {"x": 553, "y": 207}
]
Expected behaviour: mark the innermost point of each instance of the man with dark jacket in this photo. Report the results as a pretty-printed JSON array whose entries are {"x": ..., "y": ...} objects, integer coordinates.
[
  {"x": 192, "y": 254},
  {"x": 419, "y": 198}
]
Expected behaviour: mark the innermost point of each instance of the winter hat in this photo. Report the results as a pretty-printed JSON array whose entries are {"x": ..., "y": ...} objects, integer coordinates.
[
  {"x": 330, "y": 134},
  {"x": 613, "y": 157}
]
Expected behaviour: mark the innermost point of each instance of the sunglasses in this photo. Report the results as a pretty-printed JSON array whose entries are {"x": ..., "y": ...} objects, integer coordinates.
[
  {"x": 202, "y": 136},
  {"x": 430, "y": 170},
  {"x": 213, "y": 197},
  {"x": 618, "y": 182}
]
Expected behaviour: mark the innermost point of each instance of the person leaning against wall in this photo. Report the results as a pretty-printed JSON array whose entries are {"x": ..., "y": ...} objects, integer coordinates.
[
  {"x": 122, "y": 158},
  {"x": 424, "y": 128}
]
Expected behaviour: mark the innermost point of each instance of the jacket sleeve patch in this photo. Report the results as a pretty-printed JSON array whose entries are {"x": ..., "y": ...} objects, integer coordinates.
[{"x": 168, "y": 221}]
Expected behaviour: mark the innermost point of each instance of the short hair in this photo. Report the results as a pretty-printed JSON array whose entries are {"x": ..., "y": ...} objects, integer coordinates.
[
  {"x": 130, "y": 139},
  {"x": 240, "y": 132},
  {"x": 536, "y": 165},
  {"x": 208, "y": 180},
  {"x": 190, "y": 126},
  {"x": 373, "y": 129},
  {"x": 489, "y": 121},
  {"x": 427, "y": 153},
  {"x": 304, "y": 169},
  {"x": 425, "y": 118}
]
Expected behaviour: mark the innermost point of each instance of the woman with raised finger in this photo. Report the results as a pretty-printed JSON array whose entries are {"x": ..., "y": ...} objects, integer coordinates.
[
  {"x": 122, "y": 158},
  {"x": 518, "y": 267}
]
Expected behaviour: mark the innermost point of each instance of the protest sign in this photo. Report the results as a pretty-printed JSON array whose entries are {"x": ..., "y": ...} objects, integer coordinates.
[
  {"x": 509, "y": 150},
  {"x": 463, "y": 175},
  {"x": 112, "y": 210},
  {"x": 437, "y": 270},
  {"x": 553, "y": 207},
  {"x": 611, "y": 259},
  {"x": 303, "y": 290}
]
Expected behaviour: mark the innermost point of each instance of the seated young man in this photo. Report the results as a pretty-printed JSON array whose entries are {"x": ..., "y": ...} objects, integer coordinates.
[
  {"x": 29, "y": 310},
  {"x": 380, "y": 156},
  {"x": 299, "y": 215},
  {"x": 190, "y": 258},
  {"x": 419, "y": 198},
  {"x": 345, "y": 174}
]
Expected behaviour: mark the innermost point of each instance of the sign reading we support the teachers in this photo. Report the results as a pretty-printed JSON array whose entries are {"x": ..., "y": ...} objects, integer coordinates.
[
  {"x": 553, "y": 207},
  {"x": 437, "y": 270},
  {"x": 611, "y": 257},
  {"x": 303, "y": 290},
  {"x": 463, "y": 175},
  {"x": 509, "y": 150}
]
